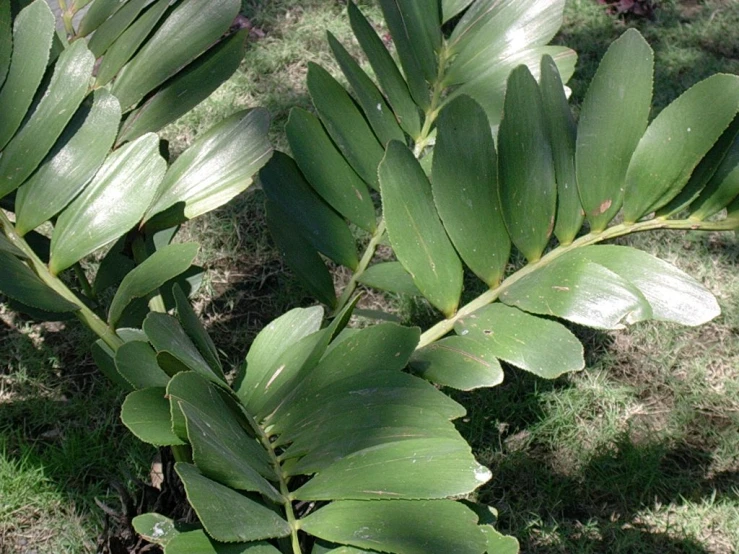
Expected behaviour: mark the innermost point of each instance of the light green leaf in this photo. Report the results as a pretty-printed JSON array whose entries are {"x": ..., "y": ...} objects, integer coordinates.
[
  {"x": 219, "y": 165},
  {"x": 136, "y": 361},
  {"x": 722, "y": 188},
  {"x": 187, "y": 32},
  {"x": 535, "y": 344},
  {"x": 146, "y": 414},
  {"x": 197, "y": 542},
  {"x": 307, "y": 214},
  {"x": 612, "y": 120},
  {"x": 33, "y": 30},
  {"x": 465, "y": 186},
  {"x": 110, "y": 205},
  {"x": 457, "y": 362},
  {"x": 187, "y": 89},
  {"x": 388, "y": 75},
  {"x": 155, "y": 528},
  {"x": 345, "y": 123},
  {"x": 580, "y": 291},
  {"x": 227, "y": 515},
  {"x": 63, "y": 96},
  {"x": 562, "y": 132},
  {"x": 399, "y": 526},
  {"x": 96, "y": 15},
  {"x": 676, "y": 141},
  {"x": 450, "y": 8},
  {"x": 194, "y": 328},
  {"x": 527, "y": 184},
  {"x": 415, "y": 230},
  {"x": 390, "y": 276},
  {"x": 112, "y": 28},
  {"x": 498, "y": 543},
  {"x": 78, "y": 154},
  {"x": 327, "y": 171}
]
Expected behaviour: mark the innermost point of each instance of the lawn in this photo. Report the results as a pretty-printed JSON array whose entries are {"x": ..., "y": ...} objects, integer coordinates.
[{"x": 639, "y": 453}]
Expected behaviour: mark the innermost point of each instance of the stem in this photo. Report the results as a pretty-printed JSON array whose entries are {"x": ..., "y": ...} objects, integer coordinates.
[
  {"x": 67, "y": 18},
  {"x": 84, "y": 314},
  {"x": 84, "y": 283},
  {"x": 433, "y": 110},
  {"x": 443, "y": 327}
]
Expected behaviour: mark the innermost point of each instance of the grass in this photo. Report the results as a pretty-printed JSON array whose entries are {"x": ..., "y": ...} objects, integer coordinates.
[{"x": 639, "y": 453}]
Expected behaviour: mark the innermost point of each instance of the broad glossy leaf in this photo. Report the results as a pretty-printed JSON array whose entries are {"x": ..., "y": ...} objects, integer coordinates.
[
  {"x": 197, "y": 542},
  {"x": 307, "y": 214},
  {"x": 96, "y": 15},
  {"x": 450, "y": 8},
  {"x": 457, "y": 362},
  {"x": 128, "y": 42},
  {"x": 300, "y": 256},
  {"x": 465, "y": 186},
  {"x": 227, "y": 515},
  {"x": 166, "y": 335},
  {"x": 63, "y": 96},
  {"x": 152, "y": 273},
  {"x": 6, "y": 40},
  {"x": 399, "y": 526},
  {"x": 415, "y": 231},
  {"x": 187, "y": 32},
  {"x": 77, "y": 155},
  {"x": 612, "y": 120},
  {"x": 136, "y": 361},
  {"x": 580, "y": 291},
  {"x": 722, "y": 188},
  {"x": 345, "y": 123},
  {"x": 673, "y": 295},
  {"x": 187, "y": 89},
  {"x": 195, "y": 330},
  {"x": 146, "y": 414},
  {"x": 19, "y": 282},
  {"x": 562, "y": 132},
  {"x": 527, "y": 184},
  {"x": 388, "y": 75},
  {"x": 676, "y": 141},
  {"x": 111, "y": 29},
  {"x": 111, "y": 204},
  {"x": 327, "y": 171},
  {"x": 543, "y": 347},
  {"x": 417, "y": 468},
  {"x": 498, "y": 543},
  {"x": 373, "y": 103},
  {"x": 219, "y": 165},
  {"x": 390, "y": 276},
  {"x": 33, "y": 30}
]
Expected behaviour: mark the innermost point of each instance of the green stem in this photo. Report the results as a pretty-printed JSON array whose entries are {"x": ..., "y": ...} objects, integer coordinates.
[
  {"x": 433, "y": 110},
  {"x": 84, "y": 283},
  {"x": 445, "y": 326},
  {"x": 84, "y": 314},
  {"x": 67, "y": 18}
]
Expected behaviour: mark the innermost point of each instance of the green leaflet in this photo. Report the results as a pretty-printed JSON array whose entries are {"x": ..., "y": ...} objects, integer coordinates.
[
  {"x": 78, "y": 154},
  {"x": 450, "y": 8},
  {"x": 66, "y": 90},
  {"x": 538, "y": 345},
  {"x": 97, "y": 14},
  {"x": 388, "y": 75},
  {"x": 562, "y": 132},
  {"x": 498, "y": 543},
  {"x": 156, "y": 528},
  {"x": 110, "y": 205},
  {"x": 136, "y": 361},
  {"x": 33, "y": 30},
  {"x": 527, "y": 184},
  {"x": 676, "y": 141},
  {"x": 19, "y": 282},
  {"x": 7, "y": 247},
  {"x": 189, "y": 31},
  {"x": 327, "y": 171},
  {"x": 216, "y": 167},
  {"x": 165, "y": 264},
  {"x": 390, "y": 276},
  {"x": 457, "y": 362},
  {"x": 465, "y": 187},
  {"x": 104, "y": 359},
  {"x": 146, "y": 414},
  {"x": 187, "y": 89},
  {"x": 6, "y": 41},
  {"x": 111, "y": 29},
  {"x": 722, "y": 187},
  {"x": 415, "y": 231},
  {"x": 400, "y": 526},
  {"x": 194, "y": 328},
  {"x": 612, "y": 120},
  {"x": 227, "y": 515},
  {"x": 197, "y": 542}
]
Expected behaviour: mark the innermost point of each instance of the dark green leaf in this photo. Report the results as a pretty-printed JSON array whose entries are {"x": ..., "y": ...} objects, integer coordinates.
[
  {"x": 390, "y": 276},
  {"x": 465, "y": 187},
  {"x": 612, "y": 120},
  {"x": 7, "y": 247},
  {"x": 535, "y": 344},
  {"x": 527, "y": 183},
  {"x": 194, "y": 328},
  {"x": 6, "y": 40},
  {"x": 66, "y": 90},
  {"x": 76, "y": 157},
  {"x": 227, "y": 515},
  {"x": 345, "y": 123},
  {"x": 113, "y": 267},
  {"x": 155, "y": 528},
  {"x": 97, "y": 14},
  {"x": 32, "y": 33},
  {"x": 722, "y": 188},
  {"x": 327, "y": 171},
  {"x": 457, "y": 362},
  {"x": 399, "y": 526},
  {"x": 104, "y": 359},
  {"x": 136, "y": 361},
  {"x": 20, "y": 283},
  {"x": 146, "y": 414},
  {"x": 562, "y": 132},
  {"x": 415, "y": 230},
  {"x": 676, "y": 141},
  {"x": 197, "y": 542},
  {"x": 111, "y": 29},
  {"x": 451, "y": 8}
]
